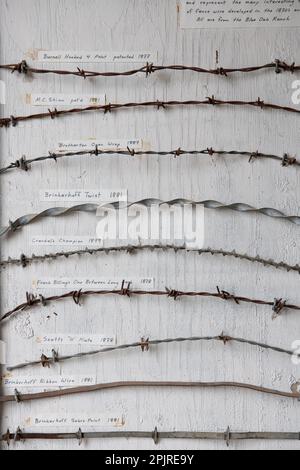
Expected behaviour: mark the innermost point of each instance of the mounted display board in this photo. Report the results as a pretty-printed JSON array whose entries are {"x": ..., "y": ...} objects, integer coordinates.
[{"x": 187, "y": 342}]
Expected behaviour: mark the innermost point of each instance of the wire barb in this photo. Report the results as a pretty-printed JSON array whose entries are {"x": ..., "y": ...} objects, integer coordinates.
[
  {"x": 76, "y": 295},
  {"x": 125, "y": 291},
  {"x": 227, "y": 296},
  {"x": 227, "y": 436},
  {"x": 17, "y": 396},
  {"x": 80, "y": 436},
  {"x": 173, "y": 294},
  {"x": 22, "y": 67},
  {"x": 155, "y": 436},
  {"x": 278, "y": 306},
  {"x": 18, "y": 434},
  {"x": 145, "y": 344},
  {"x": 288, "y": 161}
]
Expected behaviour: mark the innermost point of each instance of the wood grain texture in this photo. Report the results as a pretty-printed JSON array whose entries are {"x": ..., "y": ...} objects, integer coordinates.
[{"x": 153, "y": 25}]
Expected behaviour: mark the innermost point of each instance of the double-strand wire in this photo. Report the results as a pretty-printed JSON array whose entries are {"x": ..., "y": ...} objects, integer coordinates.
[
  {"x": 25, "y": 164},
  {"x": 278, "y": 304},
  {"x": 107, "y": 108},
  {"x": 149, "y": 68},
  {"x": 23, "y": 261},
  {"x": 149, "y": 202},
  {"x": 144, "y": 344}
]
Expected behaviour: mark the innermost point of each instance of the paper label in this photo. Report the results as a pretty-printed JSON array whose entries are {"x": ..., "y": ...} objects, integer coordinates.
[
  {"x": 61, "y": 99},
  {"x": 239, "y": 13},
  {"x": 43, "y": 381},
  {"x": 90, "y": 283},
  {"x": 77, "y": 195},
  {"x": 95, "y": 56},
  {"x": 102, "y": 144},
  {"x": 77, "y": 420},
  {"x": 71, "y": 240},
  {"x": 69, "y": 339},
  {"x": 2, "y": 353}
]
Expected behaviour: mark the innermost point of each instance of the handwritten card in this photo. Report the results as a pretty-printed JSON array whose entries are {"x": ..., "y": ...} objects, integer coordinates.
[
  {"x": 91, "y": 283},
  {"x": 77, "y": 241},
  {"x": 239, "y": 13},
  {"x": 102, "y": 144},
  {"x": 95, "y": 56},
  {"x": 79, "y": 195},
  {"x": 61, "y": 99},
  {"x": 69, "y": 339},
  {"x": 2, "y": 353},
  {"x": 47, "y": 381},
  {"x": 75, "y": 420}
]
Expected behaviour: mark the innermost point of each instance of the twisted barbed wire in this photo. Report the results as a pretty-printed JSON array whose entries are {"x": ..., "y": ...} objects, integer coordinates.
[
  {"x": 25, "y": 164},
  {"x": 148, "y": 202},
  {"x": 278, "y": 304},
  {"x": 17, "y": 397},
  {"x": 23, "y": 261},
  {"x": 149, "y": 68},
  {"x": 155, "y": 435},
  {"x": 107, "y": 108},
  {"x": 145, "y": 345}
]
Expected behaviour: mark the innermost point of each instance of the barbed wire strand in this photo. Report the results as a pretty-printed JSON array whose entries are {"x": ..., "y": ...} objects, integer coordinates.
[
  {"x": 107, "y": 108},
  {"x": 25, "y": 164},
  {"x": 278, "y": 66},
  {"x": 23, "y": 261},
  {"x": 228, "y": 436},
  {"x": 144, "y": 344},
  {"x": 278, "y": 304}
]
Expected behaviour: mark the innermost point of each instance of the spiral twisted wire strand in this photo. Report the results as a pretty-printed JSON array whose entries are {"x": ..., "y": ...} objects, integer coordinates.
[{"x": 93, "y": 208}]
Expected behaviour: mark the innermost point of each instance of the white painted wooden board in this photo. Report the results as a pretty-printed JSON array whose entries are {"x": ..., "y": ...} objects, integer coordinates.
[{"x": 154, "y": 25}]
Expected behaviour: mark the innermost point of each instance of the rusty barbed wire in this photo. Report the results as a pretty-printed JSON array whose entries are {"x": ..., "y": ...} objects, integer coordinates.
[
  {"x": 23, "y": 261},
  {"x": 148, "y": 202},
  {"x": 17, "y": 397},
  {"x": 25, "y": 164},
  {"x": 278, "y": 304},
  {"x": 228, "y": 436},
  {"x": 145, "y": 345},
  {"x": 13, "y": 121},
  {"x": 149, "y": 68}
]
